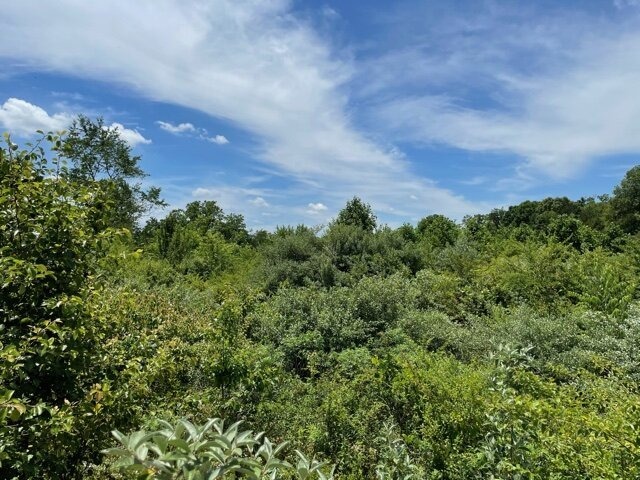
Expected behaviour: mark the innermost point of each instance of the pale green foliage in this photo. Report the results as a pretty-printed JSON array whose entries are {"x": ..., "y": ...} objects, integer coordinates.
[
  {"x": 539, "y": 275},
  {"x": 395, "y": 462},
  {"x": 607, "y": 282},
  {"x": 505, "y": 449},
  {"x": 206, "y": 452}
]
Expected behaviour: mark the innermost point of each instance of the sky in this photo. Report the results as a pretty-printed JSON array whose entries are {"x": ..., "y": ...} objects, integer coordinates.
[{"x": 284, "y": 110}]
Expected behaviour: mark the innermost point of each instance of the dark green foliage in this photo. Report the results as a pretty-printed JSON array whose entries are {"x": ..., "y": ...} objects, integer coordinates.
[
  {"x": 357, "y": 214},
  {"x": 625, "y": 203},
  {"x": 536, "y": 214},
  {"x": 207, "y": 216},
  {"x": 347, "y": 245},
  {"x": 294, "y": 256},
  {"x": 201, "y": 239},
  {"x": 343, "y": 255},
  {"x": 438, "y": 230},
  {"x": 308, "y": 322}
]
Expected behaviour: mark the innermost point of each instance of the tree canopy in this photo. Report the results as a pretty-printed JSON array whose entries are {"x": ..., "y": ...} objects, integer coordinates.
[
  {"x": 99, "y": 154},
  {"x": 626, "y": 201},
  {"x": 357, "y": 214}
]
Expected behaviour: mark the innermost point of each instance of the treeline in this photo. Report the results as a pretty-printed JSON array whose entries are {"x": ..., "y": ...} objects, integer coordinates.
[{"x": 504, "y": 346}]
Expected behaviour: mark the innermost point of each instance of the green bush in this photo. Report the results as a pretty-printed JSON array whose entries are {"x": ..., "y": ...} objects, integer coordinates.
[
  {"x": 209, "y": 451},
  {"x": 52, "y": 239}
]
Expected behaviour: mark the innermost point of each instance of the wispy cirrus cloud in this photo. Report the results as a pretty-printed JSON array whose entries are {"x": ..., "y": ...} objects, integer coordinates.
[
  {"x": 555, "y": 92},
  {"x": 626, "y": 3},
  {"x": 254, "y": 64},
  {"x": 547, "y": 89}
]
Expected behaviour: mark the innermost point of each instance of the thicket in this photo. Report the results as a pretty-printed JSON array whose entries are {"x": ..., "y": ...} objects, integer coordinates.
[{"x": 506, "y": 346}]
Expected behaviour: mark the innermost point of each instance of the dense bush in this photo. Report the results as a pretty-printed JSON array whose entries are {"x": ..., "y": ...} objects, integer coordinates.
[
  {"x": 51, "y": 242},
  {"x": 506, "y": 347}
]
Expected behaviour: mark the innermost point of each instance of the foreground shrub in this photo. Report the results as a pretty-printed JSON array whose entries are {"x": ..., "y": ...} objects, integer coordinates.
[
  {"x": 52, "y": 239},
  {"x": 188, "y": 451}
]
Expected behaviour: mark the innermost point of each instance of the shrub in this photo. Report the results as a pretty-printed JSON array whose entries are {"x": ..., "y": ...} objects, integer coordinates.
[{"x": 208, "y": 451}]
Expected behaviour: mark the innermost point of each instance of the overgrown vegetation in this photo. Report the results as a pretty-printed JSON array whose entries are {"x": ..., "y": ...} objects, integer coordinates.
[{"x": 505, "y": 347}]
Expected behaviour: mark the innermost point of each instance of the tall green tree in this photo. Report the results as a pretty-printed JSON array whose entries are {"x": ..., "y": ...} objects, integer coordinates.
[
  {"x": 99, "y": 154},
  {"x": 438, "y": 230},
  {"x": 358, "y": 214}
]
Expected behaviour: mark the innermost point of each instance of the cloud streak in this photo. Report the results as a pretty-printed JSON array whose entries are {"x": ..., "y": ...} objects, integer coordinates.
[
  {"x": 574, "y": 100},
  {"x": 252, "y": 63}
]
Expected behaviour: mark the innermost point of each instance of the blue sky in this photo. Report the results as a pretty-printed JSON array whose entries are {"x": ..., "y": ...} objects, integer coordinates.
[{"x": 283, "y": 110}]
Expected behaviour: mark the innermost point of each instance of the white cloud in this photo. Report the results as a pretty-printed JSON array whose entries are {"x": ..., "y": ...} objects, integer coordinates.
[
  {"x": 566, "y": 119},
  {"x": 23, "y": 118},
  {"x": 477, "y": 180},
  {"x": 251, "y": 63},
  {"x": 218, "y": 140},
  {"x": 259, "y": 202},
  {"x": 574, "y": 100},
  {"x": 132, "y": 137},
  {"x": 189, "y": 128},
  {"x": 620, "y": 4},
  {"x": 176, "y": 129},
  {"x": 204, "y": 193},
  {"x": 316, "y": 208}
]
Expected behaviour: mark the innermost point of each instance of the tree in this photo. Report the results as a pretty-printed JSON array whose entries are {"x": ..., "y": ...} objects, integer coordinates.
[
  {"x": 50, "y": 244},
  {"x": 358, "y": 214},
  {"x": 439, "y": 230},
  {"x": 207, "y": 216},
  {"x": 204, "y": 216},
  {"x": 626, "y": 201},
  {"x": 99, "y": 154}
]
